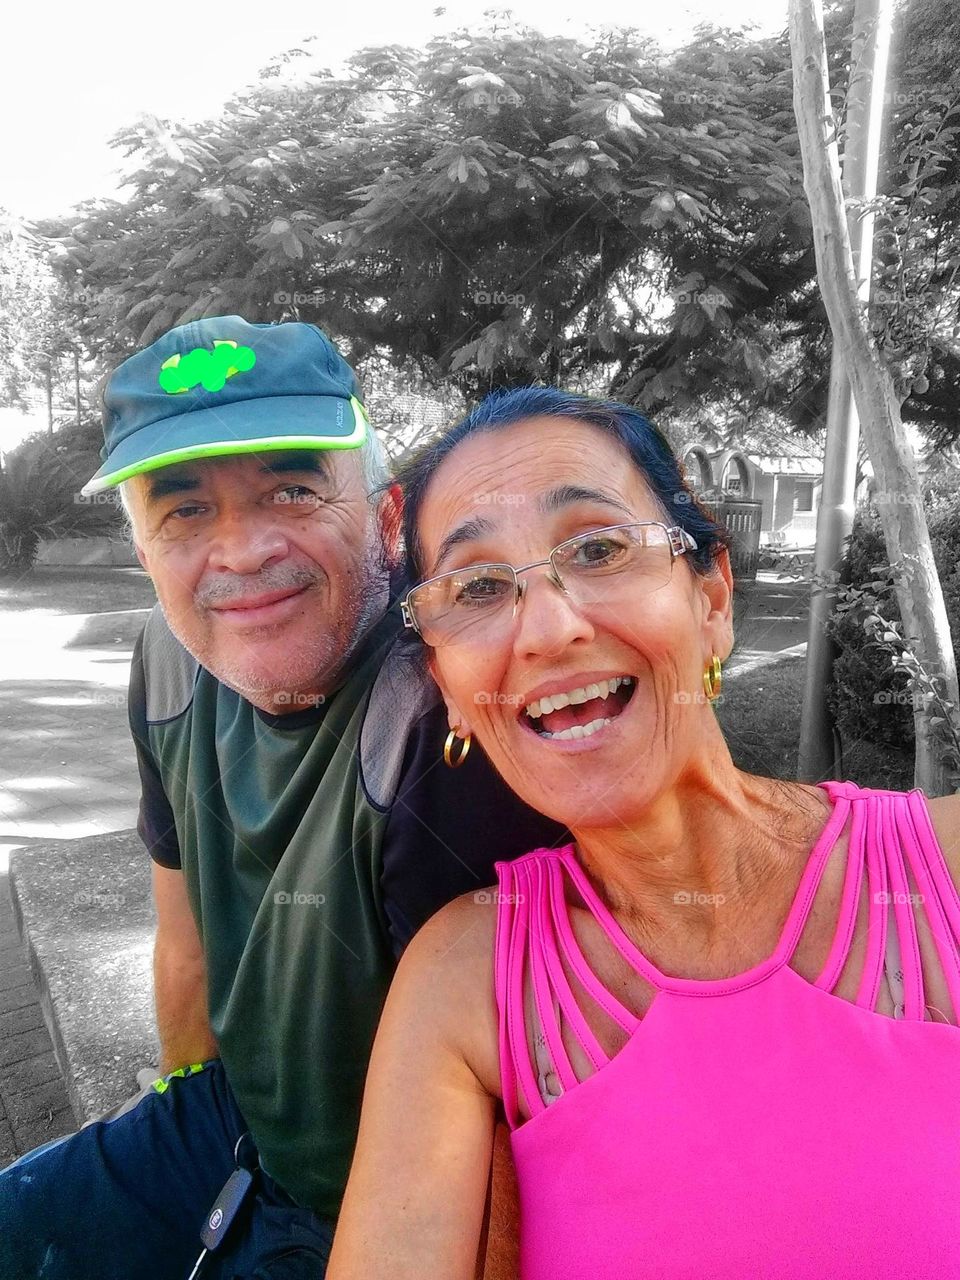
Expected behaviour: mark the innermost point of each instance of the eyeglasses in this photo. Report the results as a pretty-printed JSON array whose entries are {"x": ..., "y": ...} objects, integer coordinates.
[{"x": 477, "y": 604}]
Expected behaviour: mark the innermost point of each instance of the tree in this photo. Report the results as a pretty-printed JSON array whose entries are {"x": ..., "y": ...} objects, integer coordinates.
[
  {"x": 875, "y": 389},
  {"x": 39, "y": 348},
  {"x": 498, "y": 207},
  {"x": 503, "y": 207}
]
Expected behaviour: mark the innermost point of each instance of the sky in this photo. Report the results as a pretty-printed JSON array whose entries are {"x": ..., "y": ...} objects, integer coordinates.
[{"x": 72, "y": 80}]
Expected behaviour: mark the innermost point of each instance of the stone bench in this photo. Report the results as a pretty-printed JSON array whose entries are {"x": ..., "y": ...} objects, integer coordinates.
[{"x": 85, "y": 912}]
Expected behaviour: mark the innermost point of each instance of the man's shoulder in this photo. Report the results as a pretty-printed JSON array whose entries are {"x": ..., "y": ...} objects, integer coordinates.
[
  {"x": 403, "y": 700},
  {"x": 170, "y": 671}
]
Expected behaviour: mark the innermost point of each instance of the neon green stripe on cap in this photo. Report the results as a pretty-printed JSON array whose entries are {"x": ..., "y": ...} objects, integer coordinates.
[{"x": 224, "y": 448}]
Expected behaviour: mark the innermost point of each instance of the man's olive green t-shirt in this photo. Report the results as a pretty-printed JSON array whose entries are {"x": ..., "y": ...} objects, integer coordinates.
[{"x": 313, "y": 845}]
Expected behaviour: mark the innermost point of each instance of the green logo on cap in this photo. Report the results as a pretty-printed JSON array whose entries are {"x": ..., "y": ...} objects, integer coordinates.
[{"x": 203, "y": 368}]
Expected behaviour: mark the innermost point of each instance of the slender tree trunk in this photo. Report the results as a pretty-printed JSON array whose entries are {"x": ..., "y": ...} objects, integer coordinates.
[
  {"x": 49, "y": 380},
  {"x": 904, "y": 525},
  {"x": 76, "y": 384},
  {"x": 818, "y": 756}
]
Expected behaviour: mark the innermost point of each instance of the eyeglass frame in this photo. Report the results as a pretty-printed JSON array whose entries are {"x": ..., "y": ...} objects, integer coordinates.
[{"x": 678, "y": 540}]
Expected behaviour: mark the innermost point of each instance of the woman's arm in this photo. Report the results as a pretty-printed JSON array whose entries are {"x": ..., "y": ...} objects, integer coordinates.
[{"x": 415, "y": 1199}]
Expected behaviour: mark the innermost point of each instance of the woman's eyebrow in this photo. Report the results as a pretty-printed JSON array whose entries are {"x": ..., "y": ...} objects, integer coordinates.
[
  {"x": 563, "y": 495},
  {"x": 469, "y": 531},
  {"x": 566, "y": 494}
]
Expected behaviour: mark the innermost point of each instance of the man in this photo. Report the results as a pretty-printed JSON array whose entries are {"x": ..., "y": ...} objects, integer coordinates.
[{"x": 300, "y": 820}]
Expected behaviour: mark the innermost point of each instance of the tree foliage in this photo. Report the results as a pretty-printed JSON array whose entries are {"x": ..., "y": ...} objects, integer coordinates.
[
  {"x": 503, "y": 206},
  {"x": 35, "y": 336}
]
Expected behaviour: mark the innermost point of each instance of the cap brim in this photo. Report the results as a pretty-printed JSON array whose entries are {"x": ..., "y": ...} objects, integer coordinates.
[{"x": 245, "y": 426}]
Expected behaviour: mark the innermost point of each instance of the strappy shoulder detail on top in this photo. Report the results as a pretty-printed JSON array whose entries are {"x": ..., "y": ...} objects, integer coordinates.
[{"x": 539, "y": 962}]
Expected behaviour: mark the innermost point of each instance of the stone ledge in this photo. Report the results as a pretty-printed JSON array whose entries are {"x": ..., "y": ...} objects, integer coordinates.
[{"x": 85, "y": 912}]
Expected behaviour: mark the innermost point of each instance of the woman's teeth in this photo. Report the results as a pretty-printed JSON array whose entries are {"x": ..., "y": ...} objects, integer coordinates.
[
  {"x": 577, "y": 730},
  {"x": 557, "y": 700}
]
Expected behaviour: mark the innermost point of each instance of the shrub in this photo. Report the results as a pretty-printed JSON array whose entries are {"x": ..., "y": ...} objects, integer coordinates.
[
  {"x": 39, "y": 498},
  {"x": 870, "y": 694}
]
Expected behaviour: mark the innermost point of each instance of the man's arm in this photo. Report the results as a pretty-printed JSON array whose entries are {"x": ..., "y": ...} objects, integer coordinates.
[
  {"x": 179, "y": 972},
  {"x": 179, "y": 977}
]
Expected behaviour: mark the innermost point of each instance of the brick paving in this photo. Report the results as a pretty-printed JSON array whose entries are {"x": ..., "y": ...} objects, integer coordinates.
[
  {"x": 33, "y": 1099},
  {"x": 67, "y": 769}
]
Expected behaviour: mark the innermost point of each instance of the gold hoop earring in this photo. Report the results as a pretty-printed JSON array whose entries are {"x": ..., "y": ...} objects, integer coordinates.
[
  {"x": 448, "y": 748},
  {"x": 712, "y": 678}
]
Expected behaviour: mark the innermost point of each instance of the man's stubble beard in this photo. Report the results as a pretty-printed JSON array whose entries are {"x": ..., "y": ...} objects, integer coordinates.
[{"x": 324, "y": 656}]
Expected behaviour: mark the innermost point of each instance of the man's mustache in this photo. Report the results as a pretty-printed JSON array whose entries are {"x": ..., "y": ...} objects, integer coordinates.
[{"x": 231, "y": 588}]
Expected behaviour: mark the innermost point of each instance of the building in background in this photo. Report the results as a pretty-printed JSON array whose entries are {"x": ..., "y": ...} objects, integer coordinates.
[{"x": 786, "y": 479}]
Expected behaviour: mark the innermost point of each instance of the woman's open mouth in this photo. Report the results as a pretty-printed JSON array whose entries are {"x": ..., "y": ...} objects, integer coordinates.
[{"x": 579, "y": 712}]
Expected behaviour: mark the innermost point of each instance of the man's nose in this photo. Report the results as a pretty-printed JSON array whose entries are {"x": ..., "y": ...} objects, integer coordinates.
[{"x": 244, "y": 542}]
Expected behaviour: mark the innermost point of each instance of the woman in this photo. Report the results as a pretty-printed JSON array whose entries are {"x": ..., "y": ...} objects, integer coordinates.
[{"x": 722, "y": 1023}]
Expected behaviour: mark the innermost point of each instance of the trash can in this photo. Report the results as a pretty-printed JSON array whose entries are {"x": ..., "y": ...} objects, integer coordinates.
[{"x": 743, "y": 517}]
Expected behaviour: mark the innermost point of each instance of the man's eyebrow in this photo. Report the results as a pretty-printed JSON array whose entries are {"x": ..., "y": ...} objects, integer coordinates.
[
  {"x": 562, "y": 496},
  {"x": 304, "y": 460},
  {"x": 161, "y": 486}
]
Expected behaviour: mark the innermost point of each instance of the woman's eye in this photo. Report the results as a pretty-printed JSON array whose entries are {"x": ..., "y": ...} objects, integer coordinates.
[
  {"x": 480, "y": 591},
  {"x": 599, "y": 551}
]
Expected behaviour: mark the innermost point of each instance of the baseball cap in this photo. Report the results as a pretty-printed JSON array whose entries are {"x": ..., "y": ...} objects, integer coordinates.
[{"x": 221, "y": 386}]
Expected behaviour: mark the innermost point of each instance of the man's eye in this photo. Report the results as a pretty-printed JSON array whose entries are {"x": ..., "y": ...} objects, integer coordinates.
[
  {"x": 297, "y": 496},
  {"x": 188, "y": 510}
]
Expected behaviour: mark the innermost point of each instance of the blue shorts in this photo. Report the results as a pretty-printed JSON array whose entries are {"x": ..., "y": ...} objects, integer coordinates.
[{"x": 125, "y": 1198}]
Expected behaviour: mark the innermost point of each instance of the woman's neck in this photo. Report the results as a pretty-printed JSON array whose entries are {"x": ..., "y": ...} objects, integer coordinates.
[{"x": 709, "y": 861}]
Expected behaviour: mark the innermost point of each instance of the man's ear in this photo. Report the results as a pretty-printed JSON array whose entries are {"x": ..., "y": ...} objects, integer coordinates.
[
  {"x": 140, "y": 556},
  {"x": 390, "y": 520}
]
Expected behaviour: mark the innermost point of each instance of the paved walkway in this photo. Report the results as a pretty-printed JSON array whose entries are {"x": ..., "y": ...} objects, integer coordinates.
[
  {"x": 770, "y": 615},
  {"x": 66, "y": 769}
]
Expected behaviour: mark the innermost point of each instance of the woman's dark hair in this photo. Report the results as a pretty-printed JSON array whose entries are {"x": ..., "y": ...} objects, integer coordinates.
[{"x": 647, "y": 447}]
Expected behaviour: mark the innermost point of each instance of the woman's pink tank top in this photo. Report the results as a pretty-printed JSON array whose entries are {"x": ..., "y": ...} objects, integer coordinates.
[{"x": 752, "y": 1127}]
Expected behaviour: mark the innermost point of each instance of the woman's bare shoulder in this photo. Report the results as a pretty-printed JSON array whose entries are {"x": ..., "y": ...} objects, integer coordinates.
[
  {"x": 945, "y": 819},
  {"x": 450, "y": 965}
]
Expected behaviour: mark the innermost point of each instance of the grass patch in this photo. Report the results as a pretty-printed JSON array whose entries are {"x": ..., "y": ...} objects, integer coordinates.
[
  {"x": 760, "y": 718},
  {"x": 76, "y": 589}
]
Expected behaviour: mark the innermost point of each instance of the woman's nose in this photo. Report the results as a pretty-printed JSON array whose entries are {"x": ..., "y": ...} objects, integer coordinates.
[{"x": 548, "y": 618}]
